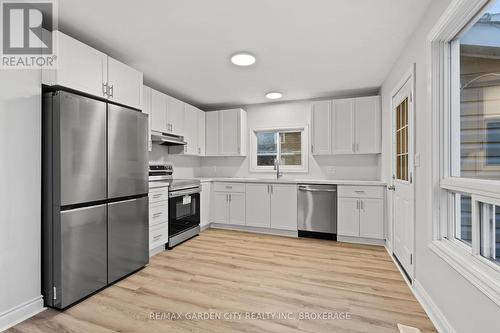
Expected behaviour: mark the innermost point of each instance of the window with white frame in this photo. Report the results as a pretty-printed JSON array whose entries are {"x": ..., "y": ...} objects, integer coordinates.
[
  {"x": 475, "y": 130},
  {"x": 465, "y": 75},
  {"x": 284, "y": 145}
]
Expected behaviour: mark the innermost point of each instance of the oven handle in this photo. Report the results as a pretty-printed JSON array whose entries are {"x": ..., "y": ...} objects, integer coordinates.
[{"x": 182, "y": 193}]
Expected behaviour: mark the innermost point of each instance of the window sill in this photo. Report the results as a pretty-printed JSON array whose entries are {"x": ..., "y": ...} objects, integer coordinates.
[{"x": 475, "y": 270}]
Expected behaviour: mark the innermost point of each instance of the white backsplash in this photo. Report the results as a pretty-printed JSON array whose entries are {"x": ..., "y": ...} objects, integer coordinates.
[{"x": 184, "y": 166}]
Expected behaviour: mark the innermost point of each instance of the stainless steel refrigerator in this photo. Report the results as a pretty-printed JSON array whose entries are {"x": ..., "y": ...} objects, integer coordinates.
[{"x": 94, "y": 195}]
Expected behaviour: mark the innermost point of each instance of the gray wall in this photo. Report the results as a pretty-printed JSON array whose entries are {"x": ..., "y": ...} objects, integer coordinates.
[
  {"x": 463, "y": 305},
  {"x": 20, "y": 186}
]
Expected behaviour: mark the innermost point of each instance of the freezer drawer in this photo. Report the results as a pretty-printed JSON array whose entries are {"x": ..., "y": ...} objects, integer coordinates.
[
  {"x": 127, "y": 152},
  {"x": 128, "y": 237},
  {"x": 80, "y": 132},
  {"x": 82, "y": 253}
]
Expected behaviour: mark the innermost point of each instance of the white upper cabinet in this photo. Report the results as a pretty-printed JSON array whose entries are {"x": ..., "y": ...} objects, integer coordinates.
[
  {"x": 123, "y": 82},
  {"x": 191, "y": 130},
  {"x": 368, "y": 125},
  {"x": 146, "y": 108},
  {"x": 175, "y": 115},
  {"x": 343, "y": 126},
  {"x": 346, "y": 126},
  {"x": 158, "y": 111},
  {"x": 226, "y": 133},
  {"x": 85, "y": 69},
  {"x": 321, "y": 127},
  {"x": 201, "y": 132},
  {"x": 284, "y": 206},
  {"x": 79, "y": 67},
  {"x": 212, "y": 133}
]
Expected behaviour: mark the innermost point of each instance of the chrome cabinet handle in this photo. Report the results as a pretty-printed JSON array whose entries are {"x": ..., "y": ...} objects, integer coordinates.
[
  {"x": 229, "y": 187},
  {"x": 104, "y": 88},
  {"x": 157, "y": 195},
  {"x": 155, "y": 238},
  {"x": 362, "y": 206},
  {"x": 272, "y": 189},
  {"x": 155, "y": 215},
  {"x": 111, "y": 91},
  {"x": 230, "y": 198},
  {"x": 357, "y": 204},
  {"x": 359, "y": 191}
]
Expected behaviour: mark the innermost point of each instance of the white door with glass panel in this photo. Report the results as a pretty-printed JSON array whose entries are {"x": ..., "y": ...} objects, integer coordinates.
[{"x": 403, "y": 198}]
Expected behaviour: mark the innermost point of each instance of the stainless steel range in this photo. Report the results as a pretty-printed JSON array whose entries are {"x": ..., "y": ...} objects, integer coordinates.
[{"x": 183, "y": 203}]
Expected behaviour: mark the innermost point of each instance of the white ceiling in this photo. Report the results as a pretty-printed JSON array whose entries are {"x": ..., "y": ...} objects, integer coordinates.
[{"x": 305, "y": 49}]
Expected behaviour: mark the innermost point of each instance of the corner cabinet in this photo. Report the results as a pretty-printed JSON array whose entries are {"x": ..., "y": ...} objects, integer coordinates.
[
  {"x": 225, "y": 133},
  {"x": 346, "y": 126},
  {"x": 85, "y": 69}
]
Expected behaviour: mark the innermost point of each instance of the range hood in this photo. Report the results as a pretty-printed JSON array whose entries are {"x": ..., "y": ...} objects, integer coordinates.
[{"x": 167, "y": 139}]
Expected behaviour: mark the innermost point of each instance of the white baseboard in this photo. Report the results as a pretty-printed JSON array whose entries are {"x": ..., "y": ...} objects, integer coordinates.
[
  {"x": 278, "y": 232},
  {"x": 432, "y": 310},
  {"x": 205, "y": 227},
  {"x": 21, "y": 312},
  {"x": 360, "y": 240}
]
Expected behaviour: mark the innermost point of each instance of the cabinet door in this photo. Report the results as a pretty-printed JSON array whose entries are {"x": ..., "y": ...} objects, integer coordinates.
[
  {"x": 371, "y": 222},
  {"x": 237, "y": 206},
  {"x": 205, "y": 204},
  {"x": 191, "y": 130},
  {"x": 258, "y": 198},
  {"x": 220, "y": 213},
  {"x": 321, "y": 120},
  {"x": 229, "y": 121},
  {"x": 201, "y": 133},
  {"x": 146, "y": 109},
  {"x": 284, "y": 207},
  {"x": 175, "y": 115},
  {"x": 158, "y": 111},
  {"x": 367, "y": 119},
  {"x": 348, "y": 217},
  {"x": 343, "y": 126},
  {"x": 79, "y": 66},
  {"x": 125, "y": 84},
  {"x": 212, "y": 133}
]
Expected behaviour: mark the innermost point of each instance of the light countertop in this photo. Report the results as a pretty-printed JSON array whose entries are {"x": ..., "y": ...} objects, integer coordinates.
[{"x": 294, "y": 181}]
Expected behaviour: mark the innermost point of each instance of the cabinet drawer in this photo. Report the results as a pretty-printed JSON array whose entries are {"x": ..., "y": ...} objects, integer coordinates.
[
  {"x": 229, "y": 187},
  {"x": 158, "y": 194},
  {"x": 158, "y": 213},
  {"x": 158, "y": 235},
  {"x": 361, "y": 191}
]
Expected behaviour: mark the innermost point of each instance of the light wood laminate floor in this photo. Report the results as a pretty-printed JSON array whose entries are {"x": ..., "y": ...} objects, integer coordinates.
[{"x": 230, "y": 273}]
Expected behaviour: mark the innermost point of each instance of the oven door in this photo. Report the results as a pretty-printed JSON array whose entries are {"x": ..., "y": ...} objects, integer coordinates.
[{"x": 184, "y": 211}]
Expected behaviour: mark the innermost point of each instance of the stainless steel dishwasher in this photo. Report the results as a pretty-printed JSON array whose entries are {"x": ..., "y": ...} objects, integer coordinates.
[{"x": 317, "y": 211}]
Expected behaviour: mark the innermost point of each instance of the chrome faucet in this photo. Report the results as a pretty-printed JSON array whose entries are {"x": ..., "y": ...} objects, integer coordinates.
[{"x": 277, "y": 168}]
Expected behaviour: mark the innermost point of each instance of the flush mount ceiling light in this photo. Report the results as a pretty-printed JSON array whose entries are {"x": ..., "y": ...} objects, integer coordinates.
[
  {"x": 274, "y": 95},
  {"x": 243, "y": 59}
]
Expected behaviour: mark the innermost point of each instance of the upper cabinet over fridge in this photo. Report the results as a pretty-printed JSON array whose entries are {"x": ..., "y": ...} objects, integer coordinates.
[{"x": 87, "y": 70}]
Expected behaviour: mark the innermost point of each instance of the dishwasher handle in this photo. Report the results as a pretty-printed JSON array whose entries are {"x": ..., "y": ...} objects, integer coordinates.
[{"x": 306, "y": 189}]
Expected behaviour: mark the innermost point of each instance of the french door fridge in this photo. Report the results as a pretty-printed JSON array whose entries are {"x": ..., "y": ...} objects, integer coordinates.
[{"x": 94, "y": 200}]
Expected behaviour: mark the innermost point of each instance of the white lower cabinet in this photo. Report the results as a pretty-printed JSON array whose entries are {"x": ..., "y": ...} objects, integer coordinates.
[
  {"x": 272, "y": 206},
  {"x": 361, "y": 212},
  {"x": 348, "y": 217},
  {"x": 229, "y": 207},
  {"x": 284, "y": 207},
  {"x": 205, "y": 204},
  {"x": 259, "y": 204},
  {"x": 371, "y": 218},
  {"x": 158, "y": 217}
]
